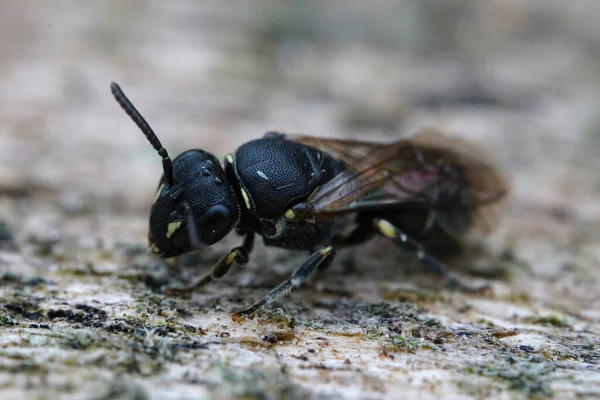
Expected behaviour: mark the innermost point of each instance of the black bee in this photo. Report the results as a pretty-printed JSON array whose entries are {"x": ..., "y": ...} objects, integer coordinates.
[{"x": 305, "y": 193}]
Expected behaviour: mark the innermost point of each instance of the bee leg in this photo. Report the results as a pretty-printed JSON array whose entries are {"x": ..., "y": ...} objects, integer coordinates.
[
  {"x": 358, "y": 235},
  {"x": 238, "y": 255},
  {"x": 318, "y": 259},
  {"x": 412, "y": 246}
]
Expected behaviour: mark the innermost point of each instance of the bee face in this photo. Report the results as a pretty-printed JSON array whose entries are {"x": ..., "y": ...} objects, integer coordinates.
[{"x": 199, "y": 207}]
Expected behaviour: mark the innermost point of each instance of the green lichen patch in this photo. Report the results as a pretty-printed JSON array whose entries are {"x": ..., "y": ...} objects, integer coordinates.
[
  {"x": 549, "y": 320},
  {"x": 529, "y": 378}
]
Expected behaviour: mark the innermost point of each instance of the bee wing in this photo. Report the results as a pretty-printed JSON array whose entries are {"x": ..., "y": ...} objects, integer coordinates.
[
  {"x": 347, "y": 150},
  {"x": 427, "y": 170},
  {"x": 483, "y": 187},
  {"x": 484, "y": 181},
  {"x": 382, "y": 179}
]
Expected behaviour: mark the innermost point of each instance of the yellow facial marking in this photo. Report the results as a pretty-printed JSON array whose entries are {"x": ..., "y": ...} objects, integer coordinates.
[
  {"x": 158, "y": 193},
  {"x": 172, "y": 228},
  {"x": 290, "y": 214},
  {"x": 387, "y": 229},
  {"x": 230, "y": 258},
  {"x": 246, "y": 199},
  {"x": 229, "y": 158},
  {"x": 326, "y": 251}
]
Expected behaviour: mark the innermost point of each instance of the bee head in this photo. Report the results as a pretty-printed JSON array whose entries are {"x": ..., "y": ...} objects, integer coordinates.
[{"x": 195, "y": 206}]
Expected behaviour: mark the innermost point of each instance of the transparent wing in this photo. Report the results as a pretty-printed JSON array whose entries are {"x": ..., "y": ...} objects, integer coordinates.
[
  {"x": 428, "y": 170},
  {"x": 347, "y": 150}
]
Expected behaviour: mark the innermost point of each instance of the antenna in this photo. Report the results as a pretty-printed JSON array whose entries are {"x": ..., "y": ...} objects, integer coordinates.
[{"x": 137, "y": 118}]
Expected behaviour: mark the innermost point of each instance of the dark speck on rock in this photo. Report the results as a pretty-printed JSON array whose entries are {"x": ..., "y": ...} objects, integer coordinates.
[
  {"x": 164, "y": 331},
  {"x": 464, "y": 333},
  {"x": 26, "y": 310},
  {"x": 13, "y": 278},
  {"x": 190, "y": 346},
  {"x": 526, "y": 348},
  {"x": 119, "y": 326},
  {"x": 53, "y": 314},
  {"x": 270, "y": 337},
  {"x": 433, "y": 322},
  {"x": 39, "y": 326}
]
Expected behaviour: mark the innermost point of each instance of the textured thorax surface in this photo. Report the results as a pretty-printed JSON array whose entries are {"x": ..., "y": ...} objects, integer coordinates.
[{"x": 275, "y": 173}]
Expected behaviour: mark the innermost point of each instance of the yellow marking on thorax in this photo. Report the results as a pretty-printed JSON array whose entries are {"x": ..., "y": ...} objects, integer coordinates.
[
  {"x": 246, "y": 199},
  {"x": 160, "y": 188},
  {"x": 172, "y": 228},
  {"x": 387, "y": 229},
  {"x": 290, "y": 214}
]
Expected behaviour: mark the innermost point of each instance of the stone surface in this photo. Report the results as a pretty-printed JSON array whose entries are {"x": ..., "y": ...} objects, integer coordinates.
[{"x": 82, "y": 314}]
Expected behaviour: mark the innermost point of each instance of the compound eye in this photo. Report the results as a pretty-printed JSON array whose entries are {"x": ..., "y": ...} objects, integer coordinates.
[{"x": 214, "y": 224}]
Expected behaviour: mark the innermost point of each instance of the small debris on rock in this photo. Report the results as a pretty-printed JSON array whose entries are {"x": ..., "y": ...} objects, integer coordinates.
[{"x": 270, "y": 337}]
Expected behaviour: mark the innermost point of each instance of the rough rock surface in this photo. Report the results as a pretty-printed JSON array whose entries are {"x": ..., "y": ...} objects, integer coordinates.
[{"x": 82, "y": 314}]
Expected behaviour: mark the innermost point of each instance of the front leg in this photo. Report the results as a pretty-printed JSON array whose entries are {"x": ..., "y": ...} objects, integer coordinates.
[
  {"x": 238, "y": 254},
  {"x": 319, "y": 259}
]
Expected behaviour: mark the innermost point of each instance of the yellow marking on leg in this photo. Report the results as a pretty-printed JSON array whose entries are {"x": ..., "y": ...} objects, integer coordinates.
[
  {"x": 246, "y": 199},
  {"x": 290, "y": 214},
  {"x": 387, "y": 229},
  {"x": 172, "y": 228},
  {"x": 158, "y": 192},
  {"x": 324, "y": 252},
  {"x": 230, "y": 258},
  {"x": 229, "y": 158}
]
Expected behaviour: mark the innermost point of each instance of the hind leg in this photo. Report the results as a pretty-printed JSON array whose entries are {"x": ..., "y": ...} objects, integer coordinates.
[{"x": 407, "y": 244}]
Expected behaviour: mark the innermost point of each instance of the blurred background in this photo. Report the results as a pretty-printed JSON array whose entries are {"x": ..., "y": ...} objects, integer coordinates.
[{"x": 520, "y": 78}]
